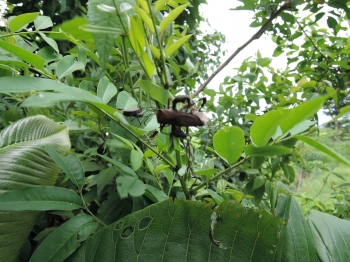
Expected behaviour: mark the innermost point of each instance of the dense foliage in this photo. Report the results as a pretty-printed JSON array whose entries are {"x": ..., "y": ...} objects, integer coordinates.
[{"x": 111, "y": 188}]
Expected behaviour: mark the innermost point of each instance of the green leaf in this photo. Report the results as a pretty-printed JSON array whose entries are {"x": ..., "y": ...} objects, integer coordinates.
[
  {"x": 155, "y": 51},
  {"x": 151, "y": 235},
  {"x": 149, "y": 65},
  {"x": 106, "y": 90},
  {"x": 266, "y": 150},
  {"x": 290, "y": 233},
  {"x": 332, "y": 23},
  {"x": 331, "y": 236},
  {"x": 24, "y": 54},
  {"x": 23, "y": 84},
  {"x": 72, "y": 28},
  {"x": 102, "y": 30},
  {"x": 229, "y": 142},
  {"x": 266, "y": 126},
  {"x": 159, "y": 5},
  {"x": 156, "y": 92},
  {"x": 217, "y": 198},
  {"x": 48, "y": 99},
  {"x": 42, "y": 22},
  {"x": 65, "y": 240},
  {"x": 18, "y": 22},
  {"x": 126, "y": 101},
  {"x": 70, "y": 165},
  {"x": 206, "y": 172},
  {"x": 136, "y": 35},
  {"x": 259, "y": 181},
  {"x": 302, "y": 112},
  {"x": 50, "y": 41},
  {"x": 125, "y": 143},
  {"x": 132, "y": 186},
  {"x": 136, "y": 158},
  {"x": 248, "y": 5},
  {"x": 145, "y": 18},
  {"x": 324, "y": 149},
  {"x": 104, "y": 177},
  {"x": 171, "y": 17},
  {"x": 123, "y": 169},
  {"x": 26, "y": 163},
  {"x": 277, "y": 52},
  {"x": 68, "y": 65},
  {"x": 288, "y": 172},
  {"x": 40, "y": 198},
  {"x": 157, "y": 193},
  {"x": 110, "y": 22},
  {"x": 169, "y": 50}
]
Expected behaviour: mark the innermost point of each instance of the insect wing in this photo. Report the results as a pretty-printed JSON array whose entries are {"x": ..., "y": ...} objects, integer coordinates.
[{"x": 186, "y": 119}]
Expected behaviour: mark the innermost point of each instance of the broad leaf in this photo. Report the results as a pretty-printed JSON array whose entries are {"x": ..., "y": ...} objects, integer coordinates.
[
  {"x": 104, "y": 41},
  {"x": 181, "y": 231},
  {"x": 331, "y": 236},
  {"x": 65, "y": 239},
  {"x": 169, "y": 50},
  {"x": 68, "y": 65},
  {"x": 266, "y": 150},
  {"x": 70, "y": 165},
  {"x": 171, "y": 17},
  {"x": 106, "y": 90},
  {"x": 24, "y": 162},
  {"x": 24, "y": 54},
  {"x": 229, "y": 142},
  {"x": 296, "y": 241},
  {"x": 40, "y": 198},
  {"x": 128, "y": 185},
  {"x": 157, "y": 93},
  {"x": 18, "y": 22},
  {"x": 42, "y": 22},
  {"x": 324, "y": 149}
]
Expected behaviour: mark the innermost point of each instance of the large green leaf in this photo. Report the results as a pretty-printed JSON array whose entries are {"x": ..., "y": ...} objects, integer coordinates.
[
  {"x": 22, "y": 84},
  {"x": 65, "y": 239},
  {"x": 157, "y": 93},
  {"x": 18, "y": 22},
  {"x": 40, "y": 198},
  {"x": 70, "y": 165},
  {"x": 229, "y": 142},
  {"x": 331, "y": 236},
  {"x": 24, "y": 162},
  {"x": 324, "y": 149},
  {"x": 266, "y": 150},
  {"x": 296, "y": 243},
  {"x": 24, "y": 54},
  {"x": 266, "y": 126},
  {"x": 104, "y": 42},
  {"x": 184, "y": 231}
]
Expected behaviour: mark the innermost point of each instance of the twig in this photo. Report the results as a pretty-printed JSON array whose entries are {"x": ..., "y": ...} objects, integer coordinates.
[
  {"x": 256, "y": 36},
  {"x": 308, "y": 37}
]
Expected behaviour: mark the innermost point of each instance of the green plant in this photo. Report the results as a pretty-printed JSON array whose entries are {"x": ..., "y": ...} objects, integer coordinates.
[{"x": 229, "y": 179}]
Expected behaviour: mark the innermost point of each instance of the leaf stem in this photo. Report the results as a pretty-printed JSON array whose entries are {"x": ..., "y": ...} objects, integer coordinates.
[
  {"x": 165, "y": 81},
  {"x": 194, "y": 191}
]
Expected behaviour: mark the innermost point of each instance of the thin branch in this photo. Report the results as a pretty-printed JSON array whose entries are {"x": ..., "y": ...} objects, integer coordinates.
[
  {"x": 256, "y": 36},
  {"x": 308, "y": 37}
]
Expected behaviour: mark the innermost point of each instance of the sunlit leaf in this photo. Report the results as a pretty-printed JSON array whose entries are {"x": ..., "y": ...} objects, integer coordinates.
[
  {"x": 229, "y": 142},
  {"x": 171, "y": 17}
]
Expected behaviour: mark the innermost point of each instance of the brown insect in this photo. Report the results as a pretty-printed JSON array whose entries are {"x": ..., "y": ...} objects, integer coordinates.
[{"x": 177, "y": 119}]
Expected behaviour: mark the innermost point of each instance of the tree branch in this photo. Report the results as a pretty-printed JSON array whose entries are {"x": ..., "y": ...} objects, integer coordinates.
[{"x": 256, "y": 36}]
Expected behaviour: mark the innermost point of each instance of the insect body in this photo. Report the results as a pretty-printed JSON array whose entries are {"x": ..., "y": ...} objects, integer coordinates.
[{"x": 177, "y": 119}]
